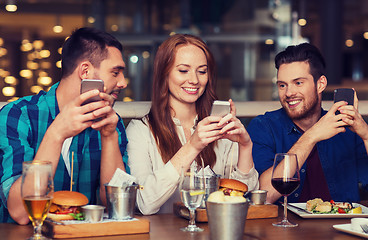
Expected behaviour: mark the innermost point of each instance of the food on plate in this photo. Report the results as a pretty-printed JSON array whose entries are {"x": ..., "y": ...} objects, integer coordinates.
[
  {"x": 66, "y": 206},
  {"x": 231, "y": 190},
  {"x": 311, "y": 204},
  {"x": 232, "y": 187},
  {"x": 324, "y": 207},
  {"x": 318, "y": 206}
]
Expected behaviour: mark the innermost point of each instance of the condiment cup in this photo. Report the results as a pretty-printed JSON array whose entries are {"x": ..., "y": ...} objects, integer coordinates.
[
  {"x": 356, "y": 222},
  {"x": 93, "y": 213},
  {"x": 258, "y": 197}
]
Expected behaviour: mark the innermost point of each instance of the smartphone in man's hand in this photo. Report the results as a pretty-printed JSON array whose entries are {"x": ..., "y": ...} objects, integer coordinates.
[
  {"x": 344, "y": 94},
  {"x": 220, "y": 108},
  {"x": 91, "y": 84}
]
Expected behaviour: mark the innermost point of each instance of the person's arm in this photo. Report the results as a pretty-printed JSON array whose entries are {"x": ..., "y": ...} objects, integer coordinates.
[
  {"x": 144, "y": 161},
  {"x": 111, "y": 156},
  {"x": 327, "y": 127},
  {"x": 234, "y": 130},
  {"x": 71, "y": 120},
  {"x": 355, "y": 120},
  {"x": 159, "y": 180}
]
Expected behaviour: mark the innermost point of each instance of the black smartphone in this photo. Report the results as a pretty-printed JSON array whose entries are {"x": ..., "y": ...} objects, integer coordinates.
[
  {"x": 91, "y": 84},
  {"x": 220, "y": 108},
  {"x": 344, "y": 94}
]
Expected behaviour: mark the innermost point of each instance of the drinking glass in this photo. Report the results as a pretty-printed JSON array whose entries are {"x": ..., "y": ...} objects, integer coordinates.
[
  {"x": 37, "y": 191},
  {"x": 285, "y": 179},
  {"x": 192, "y": 189}
]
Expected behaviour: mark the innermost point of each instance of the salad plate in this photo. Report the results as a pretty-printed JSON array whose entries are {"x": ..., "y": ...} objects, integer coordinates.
[
  {"x": 347, "y": 229},
  {"x": 293, "y": 207}
]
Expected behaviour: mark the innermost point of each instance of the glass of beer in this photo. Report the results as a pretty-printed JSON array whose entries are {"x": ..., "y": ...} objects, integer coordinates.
[{"x": 37, "y": 190}]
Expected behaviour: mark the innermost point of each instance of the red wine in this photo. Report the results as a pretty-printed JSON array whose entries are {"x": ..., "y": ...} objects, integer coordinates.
[{"x": 285, "y": 186}]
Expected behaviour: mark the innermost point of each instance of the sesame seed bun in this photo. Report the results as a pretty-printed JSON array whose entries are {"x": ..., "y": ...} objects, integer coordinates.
[
  {"x": 69, "y": 198},
  {"x": 233, "y": 184}
]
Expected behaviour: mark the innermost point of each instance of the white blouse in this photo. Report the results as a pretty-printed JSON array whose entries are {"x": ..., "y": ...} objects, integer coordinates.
[{"x": 160, "y": 181}]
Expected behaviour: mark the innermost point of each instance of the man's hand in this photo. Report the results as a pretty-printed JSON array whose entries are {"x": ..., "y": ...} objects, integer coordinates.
[
  {"x": 352, "y": 117},
  {"x": 328, "y": 126},
  {"x": 107, "y": 125},
  {"x": 75, "y": 117}
]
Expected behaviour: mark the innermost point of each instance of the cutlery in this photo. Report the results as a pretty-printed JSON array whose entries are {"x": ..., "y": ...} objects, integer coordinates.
[
  {"x": 364, "y": 227},
  {"x": 299, "y": 208}
]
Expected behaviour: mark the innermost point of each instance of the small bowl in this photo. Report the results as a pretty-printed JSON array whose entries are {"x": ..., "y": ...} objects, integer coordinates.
[
  {"x": 258, "y": 197},
  {"x": 93, "y": 213}
]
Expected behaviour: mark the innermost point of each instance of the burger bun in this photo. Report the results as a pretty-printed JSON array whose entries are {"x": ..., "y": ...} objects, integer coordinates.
[
  {"x": 233, "y": 184},
  {"x": 60, "y": 217},
  {"x": 69, "y": 198}
]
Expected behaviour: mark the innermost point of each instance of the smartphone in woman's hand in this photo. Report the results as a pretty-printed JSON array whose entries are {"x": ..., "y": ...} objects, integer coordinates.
[{"x": 220, "y": 108}]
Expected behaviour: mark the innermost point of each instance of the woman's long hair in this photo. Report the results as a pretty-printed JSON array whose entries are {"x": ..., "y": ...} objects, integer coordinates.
[{"x": 159, "y": 117}]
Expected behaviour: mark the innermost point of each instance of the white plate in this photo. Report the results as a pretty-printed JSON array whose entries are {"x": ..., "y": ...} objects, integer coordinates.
[
  {"x": 347, "y": 228},
  {"x": 311, "y": 215}
]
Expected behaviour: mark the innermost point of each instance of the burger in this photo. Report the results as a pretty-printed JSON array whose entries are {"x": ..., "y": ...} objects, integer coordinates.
[
  {"x": 232, "y": 187},
  {"x": 230, "y": 191},
  {"x": 66, "y": 205}
]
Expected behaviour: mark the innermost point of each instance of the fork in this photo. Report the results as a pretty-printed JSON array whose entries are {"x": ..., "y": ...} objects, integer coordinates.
[{"x": 364, "y": 227}]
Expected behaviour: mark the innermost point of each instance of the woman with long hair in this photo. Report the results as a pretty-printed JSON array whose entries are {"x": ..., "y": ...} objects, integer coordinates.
[{"x": 178, "y": 131}]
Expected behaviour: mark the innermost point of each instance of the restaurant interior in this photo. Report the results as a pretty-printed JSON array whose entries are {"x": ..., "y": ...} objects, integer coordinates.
[{"x": 244, "y": 36}]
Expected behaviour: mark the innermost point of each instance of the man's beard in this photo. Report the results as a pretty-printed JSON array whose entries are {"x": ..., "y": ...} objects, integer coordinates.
[{"x": 307, "y": 110}]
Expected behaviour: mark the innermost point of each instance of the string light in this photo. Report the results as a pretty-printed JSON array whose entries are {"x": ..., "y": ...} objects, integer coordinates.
[
  {"x": 57, "y": 28},
  {"x": 11, "y": 6},
  {"x": 349, "y": 43}
]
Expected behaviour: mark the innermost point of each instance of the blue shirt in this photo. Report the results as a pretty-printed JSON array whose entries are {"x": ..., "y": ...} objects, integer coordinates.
[
  {"x": 23, "y": 124},
  {"x": 343, "y": 157}
]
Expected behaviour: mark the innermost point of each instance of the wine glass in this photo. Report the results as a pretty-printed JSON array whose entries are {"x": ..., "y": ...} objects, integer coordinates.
[
  {"x": 192, "y": 189},
  {"x": 37, "y": 191},
  {"x": 285, "y": 179}
]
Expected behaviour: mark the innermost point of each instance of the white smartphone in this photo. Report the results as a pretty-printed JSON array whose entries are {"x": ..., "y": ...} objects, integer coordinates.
[
  {"x": 220, "y": 108},
  {"x": 91, "y": 84}
]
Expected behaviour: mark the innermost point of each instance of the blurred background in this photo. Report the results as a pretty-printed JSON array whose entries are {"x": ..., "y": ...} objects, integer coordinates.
[{"x": 244, "y": 36}]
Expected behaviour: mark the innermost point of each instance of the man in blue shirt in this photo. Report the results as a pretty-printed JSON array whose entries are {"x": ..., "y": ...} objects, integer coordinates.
[
  {"x": 56, "y": 125},
  {"x": 332, "y": 158}
]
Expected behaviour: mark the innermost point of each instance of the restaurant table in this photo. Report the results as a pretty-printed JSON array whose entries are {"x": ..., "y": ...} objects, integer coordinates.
[{"x": 167, "y": 226}]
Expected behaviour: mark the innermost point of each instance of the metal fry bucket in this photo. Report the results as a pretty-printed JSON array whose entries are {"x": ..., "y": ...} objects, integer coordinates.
[
  {"x": 212, "y": 185},
  {"x": 121, "y": 201},
  {"x": 227, "y": 220}
]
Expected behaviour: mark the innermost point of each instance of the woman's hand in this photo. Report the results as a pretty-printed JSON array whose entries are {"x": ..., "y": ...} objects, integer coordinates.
[
  {"x": 233, "y": 129},
  {"x": 207, "y": 131}
]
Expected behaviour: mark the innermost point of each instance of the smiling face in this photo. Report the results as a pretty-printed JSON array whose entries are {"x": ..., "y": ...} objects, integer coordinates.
[
  {"x": 111, "y": 72},
  {"x": 188, "y": 77},
  {"x": 299, "y": 94}
]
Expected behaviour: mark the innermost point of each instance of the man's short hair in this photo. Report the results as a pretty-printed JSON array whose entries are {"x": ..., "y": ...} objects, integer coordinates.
[
  {"x": 304, "y": 52},
  {"x": 86, "y": 44}
]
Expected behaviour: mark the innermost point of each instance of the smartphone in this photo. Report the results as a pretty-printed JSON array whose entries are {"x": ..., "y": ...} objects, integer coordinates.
[
  {"x": 91, "y": 84},
  {"x": 220, "y": 108},
  {"x": 344, "y": 94}
]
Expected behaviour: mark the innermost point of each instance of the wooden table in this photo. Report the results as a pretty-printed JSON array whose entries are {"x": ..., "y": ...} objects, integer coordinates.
[{"x": 166, "y": 227}]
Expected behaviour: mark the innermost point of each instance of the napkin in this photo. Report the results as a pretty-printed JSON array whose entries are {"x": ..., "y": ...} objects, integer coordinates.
[
  {"x": 208, "y": 172},
  {"x": 121, "y": 179}
]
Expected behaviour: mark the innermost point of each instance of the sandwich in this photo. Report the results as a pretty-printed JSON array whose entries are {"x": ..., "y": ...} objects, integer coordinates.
[
  {"x": 232, "y": 187},
  {"x": 66, "y": 205}
]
